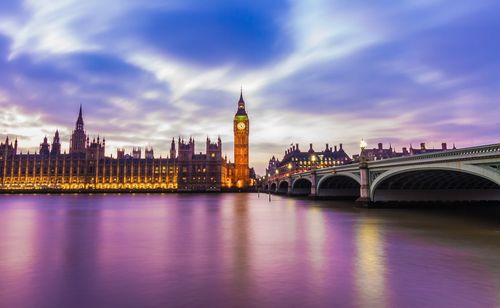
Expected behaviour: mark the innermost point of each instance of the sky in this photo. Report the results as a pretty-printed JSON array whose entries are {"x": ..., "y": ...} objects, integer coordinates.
[{"x": 399, "y": 72}]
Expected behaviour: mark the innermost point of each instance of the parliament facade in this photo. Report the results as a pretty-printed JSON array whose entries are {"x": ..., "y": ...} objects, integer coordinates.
[{"x": 87, "y": 168}]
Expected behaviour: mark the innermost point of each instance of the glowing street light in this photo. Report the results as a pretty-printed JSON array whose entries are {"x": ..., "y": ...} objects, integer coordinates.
[
  {"x": 363, "y": 144},
  {"x": 362, "y": 158},
  {"x": 313, "y": 161},
  {"x": 289, "y": 166}
]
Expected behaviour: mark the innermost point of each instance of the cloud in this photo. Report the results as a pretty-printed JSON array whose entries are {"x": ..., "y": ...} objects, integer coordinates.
[
  {"x": 9, "y": 7},
  {"x": 213, "y": 35},
  {"x": 111, "y": 90},
  {"x": 313, "y": 71}
]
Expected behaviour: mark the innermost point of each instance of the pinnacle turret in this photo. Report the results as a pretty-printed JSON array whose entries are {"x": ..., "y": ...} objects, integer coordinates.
[
  {"x": 79, "y": 121},
  {"x": 241, "y": 105}
]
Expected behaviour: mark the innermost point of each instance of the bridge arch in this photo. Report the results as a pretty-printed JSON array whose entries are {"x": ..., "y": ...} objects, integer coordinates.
[
  {"x": 442, "y": 182},
  {"x": 301, "y": 186},
  {"x": 340, "y": 185},
  {"x": 283, "y": 187},
  {"x": 273, "y": 187}
]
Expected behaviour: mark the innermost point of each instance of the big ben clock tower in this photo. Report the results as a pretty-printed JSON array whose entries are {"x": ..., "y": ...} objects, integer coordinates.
[{"x": 241, "y": 126}]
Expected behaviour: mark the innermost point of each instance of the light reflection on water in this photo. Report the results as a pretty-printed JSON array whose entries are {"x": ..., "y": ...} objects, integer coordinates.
[
  {"x": 238, "y": 250},
  {"x": 370, "y": 264}
]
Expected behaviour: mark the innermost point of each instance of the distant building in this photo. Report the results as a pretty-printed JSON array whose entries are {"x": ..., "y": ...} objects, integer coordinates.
[
  {"x": 78, "y": 138},
  {"x": 45, "y": 148},
  {"x": 55, "y": 149},
  {"x": 8, "y": 148},
  {"x": 200, "y": 172},
  {"x": 380, "y": 152},
  {"x": 241, "y": 130},
  {"x": 149, "y": 153},
  {"x": 87, "y": 167},
  {"x": 137, "y": 153},
  {"x": 294, "y": 160},
  {"x": 423, "y": 149}
]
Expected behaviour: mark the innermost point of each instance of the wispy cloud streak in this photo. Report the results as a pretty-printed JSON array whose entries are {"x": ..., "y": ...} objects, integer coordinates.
[{"x": 313, "y": 71}]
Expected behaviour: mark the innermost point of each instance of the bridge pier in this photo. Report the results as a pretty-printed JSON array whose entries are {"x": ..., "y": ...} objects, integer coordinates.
[
  {"x": 313, "y": 185},
  {"x": 364, "y": 188}
]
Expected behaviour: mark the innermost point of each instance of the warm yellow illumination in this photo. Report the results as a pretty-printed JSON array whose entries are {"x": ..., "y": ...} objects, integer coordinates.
[
  {"x": 363, "y": 144},
  {"x": 67, "y": 173}
]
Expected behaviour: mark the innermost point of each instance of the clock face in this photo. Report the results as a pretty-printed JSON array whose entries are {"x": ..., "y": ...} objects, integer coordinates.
[{"x": 241, "y": 126}]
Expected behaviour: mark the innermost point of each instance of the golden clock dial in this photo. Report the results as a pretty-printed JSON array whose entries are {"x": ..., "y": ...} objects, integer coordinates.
[{"x": 241, "y": 126}]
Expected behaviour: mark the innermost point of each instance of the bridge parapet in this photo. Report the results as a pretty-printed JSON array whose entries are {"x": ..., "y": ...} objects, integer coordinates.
[
  {"x": 492, "y": 150},
  {"x": 482, "y": 162}
]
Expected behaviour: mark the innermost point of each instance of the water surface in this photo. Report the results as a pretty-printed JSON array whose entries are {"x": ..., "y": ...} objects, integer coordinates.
[{"x": 239, "y": 250}]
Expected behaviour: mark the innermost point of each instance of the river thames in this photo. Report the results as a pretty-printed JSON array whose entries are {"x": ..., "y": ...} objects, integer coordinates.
[{"x": 239, "y": 250}]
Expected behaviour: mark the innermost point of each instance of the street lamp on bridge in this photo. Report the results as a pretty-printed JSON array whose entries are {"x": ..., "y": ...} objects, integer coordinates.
[
  {"x": 313, "y": 161},
  {"x": 362, "y": 145},
  {"x": 363, "y": 173},
  {"x": 362, "y": 155}
]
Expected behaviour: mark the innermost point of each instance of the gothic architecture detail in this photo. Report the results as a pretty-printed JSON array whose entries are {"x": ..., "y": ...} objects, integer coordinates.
[
  {"x": 86, "y": 166},
  {"x": 78, "y": 138},
  {"x": 56, "y": 145},
  {"x": 296, "y": 160},
  {"x": 241, "y": 128},
  {"x": 380, "y": 152}
]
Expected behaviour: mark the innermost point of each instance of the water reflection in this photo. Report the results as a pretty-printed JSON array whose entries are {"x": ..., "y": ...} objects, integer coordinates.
[
  {"x": 370, "y": 264},
  {"x": 237, "y": 250},
  {"x": 241, "y": 258},
  {"x": 316, "y": 236},
  {"x": 16, "y": 254}
]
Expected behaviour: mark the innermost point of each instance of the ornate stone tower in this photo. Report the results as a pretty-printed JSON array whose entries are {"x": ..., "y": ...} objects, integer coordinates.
[
  {"x": 56, "y": 145},
  {"x": 241, "y": 127},
  {"x": 77, "y": 142},
  {"x": 173, "y": 152},
  {"x": 44, "y": 148}
]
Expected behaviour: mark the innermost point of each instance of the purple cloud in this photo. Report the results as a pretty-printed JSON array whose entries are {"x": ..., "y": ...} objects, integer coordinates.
[{"x": 405, "y": 72}]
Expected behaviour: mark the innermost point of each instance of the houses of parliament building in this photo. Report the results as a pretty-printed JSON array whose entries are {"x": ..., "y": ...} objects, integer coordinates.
[{"x": 87, "y": 168}]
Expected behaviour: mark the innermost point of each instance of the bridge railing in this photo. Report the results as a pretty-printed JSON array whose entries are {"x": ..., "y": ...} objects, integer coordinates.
[
  {"x": 288, "y": 174},
  {"x": 485, "y": 150},
  {"x": 481, "y": 150},
  {"x": 346, "y": 167}
]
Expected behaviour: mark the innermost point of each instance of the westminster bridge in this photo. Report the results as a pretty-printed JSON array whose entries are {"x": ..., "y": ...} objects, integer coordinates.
[{"x": 468, "y": 174}]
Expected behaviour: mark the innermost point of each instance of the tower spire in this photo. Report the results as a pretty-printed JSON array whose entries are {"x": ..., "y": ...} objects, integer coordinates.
[
  {"x": 241, "y": 101},
  {"x": 241, "y": 104},
  {"x": 241, "y": 132},
  {"x": 79, "y": 121},
  {"x": 77, "y": 141}
]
